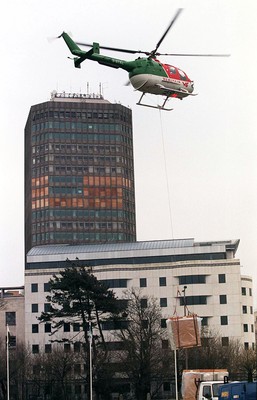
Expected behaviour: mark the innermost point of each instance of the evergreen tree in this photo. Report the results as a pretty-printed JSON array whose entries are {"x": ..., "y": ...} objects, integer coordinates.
[{"x": 77, "y": 297}]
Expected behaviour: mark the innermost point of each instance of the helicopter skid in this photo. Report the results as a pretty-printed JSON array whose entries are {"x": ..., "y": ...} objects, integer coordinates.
[{"x": 158, "y": 107}]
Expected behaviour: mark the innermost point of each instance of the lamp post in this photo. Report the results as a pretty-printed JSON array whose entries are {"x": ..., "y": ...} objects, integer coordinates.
[
  {"x": 184, "y": 299},
  {"x": 90, "y": 337},
  {"x": 7, "y": 362},
  {"x": 90, "y": 340},
  {"x": 185, "y": 308}
]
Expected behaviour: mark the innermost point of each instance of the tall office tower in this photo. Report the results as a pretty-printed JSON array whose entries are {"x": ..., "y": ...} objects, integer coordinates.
[{"x": 79, "y": 172}]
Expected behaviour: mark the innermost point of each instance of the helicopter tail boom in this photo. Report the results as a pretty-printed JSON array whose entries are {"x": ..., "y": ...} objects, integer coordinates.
[
  {"x": 94, "y": 55},
  {"x": 74, "y": 48},
  {"x": 88, "y": 54},
  {"x": 76, "y": 51}
]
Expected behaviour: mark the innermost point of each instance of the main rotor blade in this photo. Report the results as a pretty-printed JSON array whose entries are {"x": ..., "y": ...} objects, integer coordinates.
[
  {"x": 192, "y": 55},
  {"x": 167, "y": 30},
  {"x": 115, "y": 49},
  {"x": 148, "y": 53}
]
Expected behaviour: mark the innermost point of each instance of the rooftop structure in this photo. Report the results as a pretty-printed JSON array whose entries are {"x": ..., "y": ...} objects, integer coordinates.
[{"x": 139, "y": 252}]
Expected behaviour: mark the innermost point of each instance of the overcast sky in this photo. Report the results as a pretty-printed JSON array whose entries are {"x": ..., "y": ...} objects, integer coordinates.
[{"x": 196, "y": 166}]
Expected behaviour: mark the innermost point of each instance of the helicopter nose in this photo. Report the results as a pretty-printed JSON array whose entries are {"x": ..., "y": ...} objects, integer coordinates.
[{"x": 192, "y": 86}]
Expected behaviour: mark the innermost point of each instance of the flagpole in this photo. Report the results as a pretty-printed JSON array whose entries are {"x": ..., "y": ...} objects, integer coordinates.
[
  {"x": 7, "y": 362},
  {"x": 176, "y": 373}
]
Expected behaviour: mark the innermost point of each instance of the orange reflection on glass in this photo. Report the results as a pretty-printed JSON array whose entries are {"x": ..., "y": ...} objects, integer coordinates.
[{"x": 80, "y": 202}]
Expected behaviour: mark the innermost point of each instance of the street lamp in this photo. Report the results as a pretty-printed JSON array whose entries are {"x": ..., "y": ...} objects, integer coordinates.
[
  {"x": 184, "y": 299},
  {"x": 90, "y": 337},
  {"x": 7, "y": 361},
  {"x": 185, "y": 307}
]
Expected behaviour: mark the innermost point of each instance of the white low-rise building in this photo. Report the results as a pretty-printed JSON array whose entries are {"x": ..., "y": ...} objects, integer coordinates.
[
  {"x": 12, "y": 315},
  {"x": 200, "y": 277}
]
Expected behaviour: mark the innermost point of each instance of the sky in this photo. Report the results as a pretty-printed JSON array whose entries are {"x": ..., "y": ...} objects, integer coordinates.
[{"x": 195, "y": 166}]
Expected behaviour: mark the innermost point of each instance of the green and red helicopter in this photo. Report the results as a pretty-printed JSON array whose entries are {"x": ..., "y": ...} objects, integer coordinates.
[{"x": 146, "y": 74}]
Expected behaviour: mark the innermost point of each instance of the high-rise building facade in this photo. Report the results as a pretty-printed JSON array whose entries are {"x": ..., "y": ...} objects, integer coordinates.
[{"x": 79, "y": 172}]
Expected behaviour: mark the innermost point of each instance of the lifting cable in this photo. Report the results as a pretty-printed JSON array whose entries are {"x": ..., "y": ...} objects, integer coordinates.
[{"x": 166, "y": 176}]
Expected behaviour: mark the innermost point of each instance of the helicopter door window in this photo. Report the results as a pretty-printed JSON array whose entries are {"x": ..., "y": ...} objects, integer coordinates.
[
  {"x": 172, "y": 70},
  {"x": 182, "y": 75}
]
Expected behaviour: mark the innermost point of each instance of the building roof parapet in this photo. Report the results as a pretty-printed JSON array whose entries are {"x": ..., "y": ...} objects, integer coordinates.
[
  {"x": 78, "y": 97},
  {"x": 110, "y": 247}
]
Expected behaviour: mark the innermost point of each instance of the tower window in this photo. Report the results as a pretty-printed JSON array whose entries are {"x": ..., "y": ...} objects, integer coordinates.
[
  {"x": 163, "y": 302},
  {"x": 34, "y": 287},
  {"x": 10, "y": 318},
  {"x": 223, "y": 320},
  {"x": 34, "y": 328},
  {"x": 34, "y": 308},
  {"x": 223, "y": 299},
  {"x": 143, "y": 282},
  {"x": 162, "y": 281}
]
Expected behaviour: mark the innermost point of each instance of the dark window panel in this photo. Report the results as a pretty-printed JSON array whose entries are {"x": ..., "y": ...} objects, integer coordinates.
[{"x": 162, "y": 281}]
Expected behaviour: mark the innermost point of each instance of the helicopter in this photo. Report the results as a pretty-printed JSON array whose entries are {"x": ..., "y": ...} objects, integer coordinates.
[{"x": 146, "y": 74}]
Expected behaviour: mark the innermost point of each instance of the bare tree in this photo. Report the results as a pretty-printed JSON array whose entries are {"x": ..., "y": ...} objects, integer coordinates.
[
  {"x": 142, "y": 338},
  {"x": 19, "y": 367},
  {"x": 248, "y": 363},
  {"x": 240, "y": 363},
  {"x": 56, "y": 374}
]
